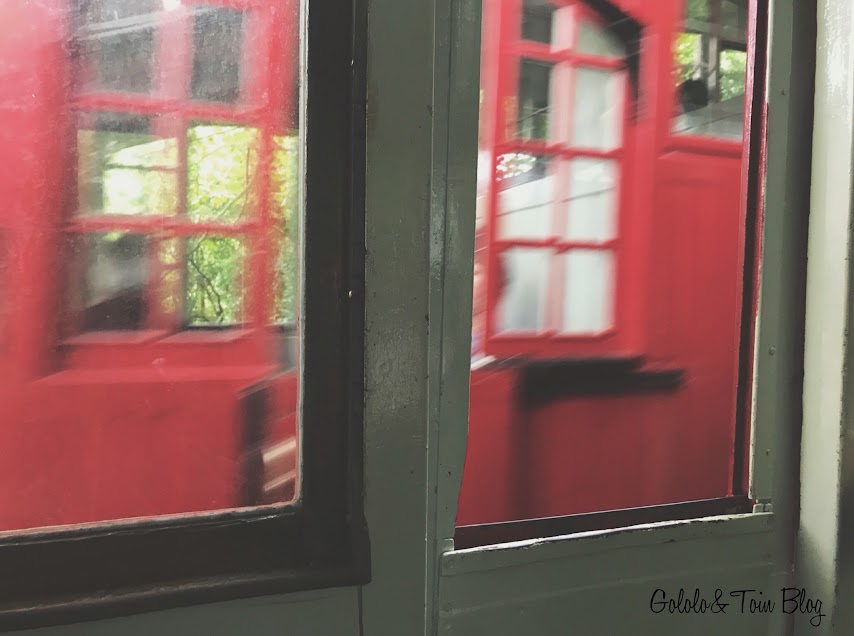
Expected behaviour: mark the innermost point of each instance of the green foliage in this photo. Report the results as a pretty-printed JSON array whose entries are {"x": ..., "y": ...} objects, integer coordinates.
[
  {"x": 116, "y": 175},
  {"x": 208, "y": 270},
  {"x": 733, "y": 65},
  {"x": 221, "y": 166},
  {"x": 698, "y": 9},
  {"x": 285, "y": 187},
  {"x": 733, "y": 73},
  {"x": 214, "y": 280},
  {"x": 222, "y": 163},
  {"x": 513, "y": 164},
  {"x": 685, "y": 53},
  {"x": 223, "y": 187}
]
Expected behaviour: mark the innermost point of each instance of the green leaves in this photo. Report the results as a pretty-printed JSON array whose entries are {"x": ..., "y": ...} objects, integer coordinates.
[
  {"x": 135, "y": 172},
  {"x": 286, "y": 205},
  {"x": 223, "y": 187},
  {"x": 222, "y": 165},
  {"x": 215, "y": 280}
]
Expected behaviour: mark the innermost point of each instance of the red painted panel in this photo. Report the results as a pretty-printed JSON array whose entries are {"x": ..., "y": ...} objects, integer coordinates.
[
  {"x": 488, "y": 478},
  {"x": 590, "y": 454},
  {"x": 98, "y": 449},
  {"x": 33, "y": 140}
]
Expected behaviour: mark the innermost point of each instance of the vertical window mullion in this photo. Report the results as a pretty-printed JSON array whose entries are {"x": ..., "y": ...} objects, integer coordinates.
[
  {"x": 562, "y": 119},
  {"x": 173, "y": 59},
  {"x": 561, "y": 205},
  {"x": 260, "y": 239},
  {"x": 507, "y": 86}
]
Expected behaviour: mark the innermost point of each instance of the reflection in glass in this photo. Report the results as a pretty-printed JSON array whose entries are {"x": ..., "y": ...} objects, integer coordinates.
[
  {"x": 589, "y": 296},
  {"x": 171, "y": 256},
  {"x": 526, "y": 203},
  {"x": 286, "y": 228},
  {"x": 117, "y": 38},
  {"x": 115, "y": 279},
  {"x": 138, "y": 246},
  {"x": 594, "y": 40},
  {"x": 222, "y": 162},
  {"x": 534, "y": 100},
  {"x": 215, "y": 281},
  {"x": 597, "y": 109},
  {"x": 710, "y": 57},
  {"x": 734, "y": 16},
  {"x": 592, "y": 208},
  {"x": 217, "y": 53},
  {"x": 123, "y": 168},
  {"x": 537, "y": 21},
  {"x": 697, "y": 10},
  {"x": 522, "y": 306},
  {"x": 517, "y": 167}
]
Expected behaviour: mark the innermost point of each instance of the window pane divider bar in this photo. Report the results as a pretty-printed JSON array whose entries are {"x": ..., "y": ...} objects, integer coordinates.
[
  {"x": 156, "y": 225},
  {"x": 559, "y": 150},
  {"x": 557, "y": 244},
  {"x": 154, "y": 106}
]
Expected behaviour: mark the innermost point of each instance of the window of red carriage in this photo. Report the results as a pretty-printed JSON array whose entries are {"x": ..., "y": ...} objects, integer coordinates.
[
  {"x": 556, "y": 206},
  {"x": 172, "y": 49},
  {"x": 129, "y": 173},
  {"x": 710, "y": 62},
  {"x": 140, "y": 170}
]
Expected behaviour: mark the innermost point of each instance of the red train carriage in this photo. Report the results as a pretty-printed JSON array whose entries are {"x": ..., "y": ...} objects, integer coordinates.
[
  {"x": 149, "y": 248},
  {"x": 150, "y": 252},
  {"x": 609, "y": 251}
]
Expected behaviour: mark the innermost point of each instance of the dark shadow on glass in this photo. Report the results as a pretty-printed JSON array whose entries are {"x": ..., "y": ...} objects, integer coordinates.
[
  {"x": 217, "y": 52},
  {"x": 116, "y": 277},
  {"x": 118, "y": 41},
  {"x": 537, "y": 16}
]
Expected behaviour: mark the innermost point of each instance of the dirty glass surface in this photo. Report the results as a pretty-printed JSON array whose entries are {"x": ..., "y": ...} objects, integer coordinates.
[
  {"x": 710, "y": 57},
  {"x": 150, "y": 255},
  {"x": 609, "y": 261}
]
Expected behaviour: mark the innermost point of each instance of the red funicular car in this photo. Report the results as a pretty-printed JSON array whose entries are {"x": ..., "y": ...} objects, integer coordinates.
[{"x": 149, "y": 250}]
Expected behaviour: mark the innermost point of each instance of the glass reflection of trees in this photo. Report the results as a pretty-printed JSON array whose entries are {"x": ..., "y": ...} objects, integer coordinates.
[{"x": 222, "y": 187}]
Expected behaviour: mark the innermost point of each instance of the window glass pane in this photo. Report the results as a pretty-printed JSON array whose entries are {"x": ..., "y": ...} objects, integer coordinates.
[
  {"x": 215, "y": 281},
  {"x": 222, "y": 162},
  {"x": 526, "y": 197},
  {"x": 711, "y": 61},
  {"x": 287, "y": 229},
  {"x": 594, "y": 40},
  {"x": 734, "y": 15},
  {"x": 697, "y": 10},
  {"x": 534, "y": 114},
  {"x": 169, "y": 255},
  {"x": 537, "y": 21},
  {"x": 217, "y": 54},
  {"x": 733, "y": 69},
  {"x": 124, "y": 167},
  {"x": 118, "y": 40},
  {"x": 524, "y": 283},
  {"x": 592, "y": 209},
  {"x": 589, "y": 291},
  {"x": 597, "y": 113},
  {"x": 605, "y": 270},
  {"x": 162, "y": 276},
  {"x": 116, "y": 273}
]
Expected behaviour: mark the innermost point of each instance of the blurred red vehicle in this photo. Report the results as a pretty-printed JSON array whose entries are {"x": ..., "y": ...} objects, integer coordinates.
[{"x": 149, "y": 241}]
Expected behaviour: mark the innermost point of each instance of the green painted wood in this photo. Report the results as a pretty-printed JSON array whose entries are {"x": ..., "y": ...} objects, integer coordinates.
[
  {"x": 561, "y": 587},
  {"x": 827, "y": 452},
  {"x": 324, "y": 612}
]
